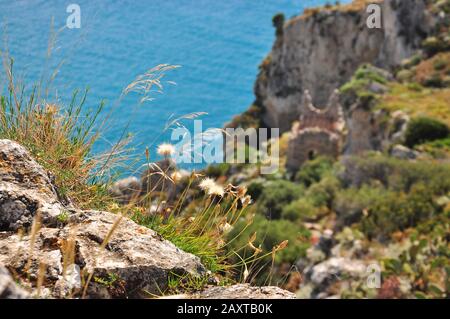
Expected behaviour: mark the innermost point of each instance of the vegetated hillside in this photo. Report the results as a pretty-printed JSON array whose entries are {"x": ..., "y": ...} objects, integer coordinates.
[
  {"x": 385, "y": 202},
  {"x": 382, "y": 205}
]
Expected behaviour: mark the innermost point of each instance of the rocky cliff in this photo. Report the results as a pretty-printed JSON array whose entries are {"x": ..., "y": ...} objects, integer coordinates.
[{"x": 320, "y": 50}]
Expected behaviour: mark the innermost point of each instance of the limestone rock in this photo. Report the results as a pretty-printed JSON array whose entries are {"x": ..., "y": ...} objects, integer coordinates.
[
  {"x": 22, "y": 255},
  {"x": 243, "y": 291},
  {"x": 68, "y": 283},
  {"x": 134, "y": 255},
  {"x": 132, "y": 259},
  {"x": 25, "y": 189},
  {"x": 138, "y": 256},
  {"x": 332, "y": 269},
  {"x": 403, "y": 152},
  {"x": 126, "y": 190},
  {"x": 400, "y": 121},
  {"x": 8, "y": 288},
  {"x": 157, "y": 179}
]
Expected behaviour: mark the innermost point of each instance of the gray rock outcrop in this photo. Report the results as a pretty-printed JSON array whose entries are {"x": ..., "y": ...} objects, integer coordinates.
[
  {"x": 156, "y": 178},
  {"x": 244, "y": 291},
  {"x": 54, "y": 249},
  {"x": 8, "y": 288},
  {"x": 123, "y": 258},
  {"x": 403, "y": 152},
  {"x": 25, "y": 189},
  {"x": 311, "y": 53},
  {"x": 126, "y": 190},
  {"x": 237, "y": 291}
]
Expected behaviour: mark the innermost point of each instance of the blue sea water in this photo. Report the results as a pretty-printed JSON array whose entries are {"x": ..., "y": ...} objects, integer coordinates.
[{"x": 219, "y": 45}]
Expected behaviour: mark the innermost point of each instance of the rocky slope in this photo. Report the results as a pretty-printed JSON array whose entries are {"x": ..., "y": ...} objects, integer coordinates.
[
  {"x": 54, "y": 249},
  {"x": 320, "y": 50}
]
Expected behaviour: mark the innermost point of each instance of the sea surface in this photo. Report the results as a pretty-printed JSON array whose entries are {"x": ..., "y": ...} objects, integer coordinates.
[{"x": 218, "y": 44}]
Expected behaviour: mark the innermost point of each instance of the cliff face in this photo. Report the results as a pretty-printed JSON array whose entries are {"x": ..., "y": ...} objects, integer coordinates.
[{"x": 312, "y": 53}]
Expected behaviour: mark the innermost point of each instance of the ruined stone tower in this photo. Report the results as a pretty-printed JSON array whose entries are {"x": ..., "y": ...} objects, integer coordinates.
[{"x": 319, "y": 132}]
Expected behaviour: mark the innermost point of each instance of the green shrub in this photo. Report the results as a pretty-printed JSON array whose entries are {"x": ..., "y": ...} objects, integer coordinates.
[
  {"x": 368, "y": 72},
  {"x": 217, "y": 170},
  {"x": 414, "y": 86},
  {"x": 395, "y": 174},
  {"x": 300, "y": 209},
  {"x": 433, "y": 45},
  {"x": 359, "y": 85},
  {"x": 446, "y": 81},
  {"x": 323, "y": 192},
  {"x": 405, "y": 76},
  {"x": 434, "y": 81},
  {"x": 316, "y": 200},
  {"x": 412, "y": 61},
  {"x": 439, "y": 64},
  {"x": 313, "y": 171},
  {"x": 279, "y": 230},
  {"x": 359, "y": 171},
  {"x": 404, "y": 175},
  {"x": 398, "y": 211},
  {"x": 276, "y": 195},
  {"x": 423, "y": 129},
  {"x": 255, "y": 189},
  {"x": 271, "y": 233},
  {"x": 350, "y": 204},
  {"x": 278, "y": 23},
  {"x": 248, "y": 119},
  {"x": 442, "y": 143}
]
